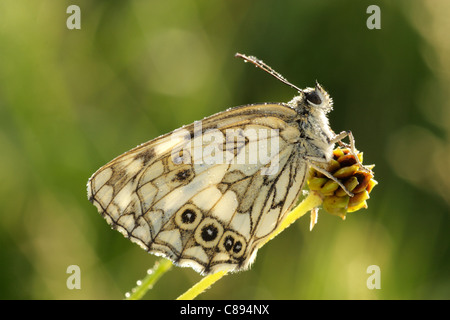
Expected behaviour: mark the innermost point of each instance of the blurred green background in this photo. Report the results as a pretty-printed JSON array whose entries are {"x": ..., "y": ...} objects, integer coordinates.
[{"x": 72, "y": 100}]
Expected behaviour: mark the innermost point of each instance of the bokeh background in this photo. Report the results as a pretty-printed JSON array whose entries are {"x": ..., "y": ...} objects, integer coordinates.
[{"x": 71, "y": 100}]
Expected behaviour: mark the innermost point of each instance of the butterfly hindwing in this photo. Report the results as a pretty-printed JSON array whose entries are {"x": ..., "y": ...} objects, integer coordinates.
[{"x": 188, "y": 196}]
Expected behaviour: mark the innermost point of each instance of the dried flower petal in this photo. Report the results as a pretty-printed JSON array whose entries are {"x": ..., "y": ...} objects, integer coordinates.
[
  {"x": 372, "y": 184},
  {"x": 316, "y": 183},
  {"x": 329, "y": 187},
  {"x": 336, "y": 205},
  {"x": 346, "y": 172}
]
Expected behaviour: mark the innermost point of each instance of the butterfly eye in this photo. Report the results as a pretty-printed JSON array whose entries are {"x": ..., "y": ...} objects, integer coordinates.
[{"x": 314, "y": 98}]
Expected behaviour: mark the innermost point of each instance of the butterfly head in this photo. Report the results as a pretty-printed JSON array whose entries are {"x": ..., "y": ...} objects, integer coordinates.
[{"x": 317, "y": 98}]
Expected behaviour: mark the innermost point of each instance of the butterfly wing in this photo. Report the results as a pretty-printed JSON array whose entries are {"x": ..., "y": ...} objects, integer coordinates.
[{"x": 196, "y": 195}]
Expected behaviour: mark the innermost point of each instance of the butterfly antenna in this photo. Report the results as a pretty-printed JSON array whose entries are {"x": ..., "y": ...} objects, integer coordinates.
[{"x": 260, "y": 64}]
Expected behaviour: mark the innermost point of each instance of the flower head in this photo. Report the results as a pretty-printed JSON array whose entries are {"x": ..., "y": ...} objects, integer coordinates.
[{"x": 357, "y": 179}]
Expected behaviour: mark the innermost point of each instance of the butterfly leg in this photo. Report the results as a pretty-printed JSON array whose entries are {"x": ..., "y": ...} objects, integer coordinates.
[
  {"x": 338, "y": 139},
  {"x": 330, "y": 176}
]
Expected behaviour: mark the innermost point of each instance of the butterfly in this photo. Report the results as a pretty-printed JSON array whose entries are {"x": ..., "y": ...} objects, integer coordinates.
[{"x": 207, "y": 195}]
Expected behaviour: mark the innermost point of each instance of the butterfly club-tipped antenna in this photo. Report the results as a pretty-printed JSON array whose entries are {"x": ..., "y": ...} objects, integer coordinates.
[{"x": 260, "y": 64}]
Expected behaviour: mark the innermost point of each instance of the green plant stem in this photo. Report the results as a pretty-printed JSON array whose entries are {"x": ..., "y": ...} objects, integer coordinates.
[
  {"x": 202, "y": 285},
  {"x": 160, "y": 267}
]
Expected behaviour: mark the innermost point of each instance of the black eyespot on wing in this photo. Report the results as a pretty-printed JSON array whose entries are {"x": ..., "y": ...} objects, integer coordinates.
[
  {"x": 147, "y": 155},
  {"x": 233, "y": 243},
  {"x": 182, "y": 175},
  {"x": 209, "y": 232},
  {"x": 188, "y": 216},
  {"x": 228, "y": 242},
  {"x": 237, "y": 247}
]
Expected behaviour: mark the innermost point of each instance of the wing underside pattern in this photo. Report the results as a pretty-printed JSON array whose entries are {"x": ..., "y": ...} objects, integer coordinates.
[{"x": 201, "y": 198}]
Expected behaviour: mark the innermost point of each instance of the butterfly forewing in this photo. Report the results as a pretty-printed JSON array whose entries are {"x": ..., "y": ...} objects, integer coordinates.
[{"x": 199, "y": 195}]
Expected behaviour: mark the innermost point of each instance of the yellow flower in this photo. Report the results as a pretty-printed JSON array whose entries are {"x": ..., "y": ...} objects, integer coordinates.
[{"x": 356, "y": 179}]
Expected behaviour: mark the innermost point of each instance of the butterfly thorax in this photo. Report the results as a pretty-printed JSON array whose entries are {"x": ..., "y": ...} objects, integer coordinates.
[{"x": 312, "y": 106}]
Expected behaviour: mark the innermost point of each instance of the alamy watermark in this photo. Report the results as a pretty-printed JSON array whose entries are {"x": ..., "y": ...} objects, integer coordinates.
[
  {"x": 374, "y": 20},
  {"x": 74, "y": 280},
  {"x": 252, "y": 145},
  {"x": 74, "y": 20},
  {"x": 374, "y": 280}
]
